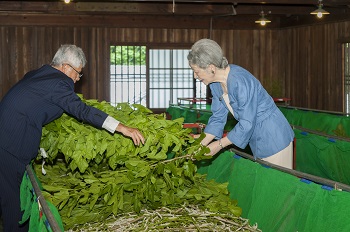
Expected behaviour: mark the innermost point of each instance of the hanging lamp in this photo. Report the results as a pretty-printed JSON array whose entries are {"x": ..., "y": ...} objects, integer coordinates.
[
  {"x": 262, "y": 20},
  {"x": 319, "y": 12}
]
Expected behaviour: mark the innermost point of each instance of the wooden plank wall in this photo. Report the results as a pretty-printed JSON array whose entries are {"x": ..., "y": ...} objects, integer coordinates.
[
  {"x": 304, "y": 61},
  {"x": 312, "y": 67}
]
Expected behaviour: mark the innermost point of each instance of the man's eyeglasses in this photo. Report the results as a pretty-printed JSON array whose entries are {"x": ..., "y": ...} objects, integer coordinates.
[{"x": 79, "y": 73}]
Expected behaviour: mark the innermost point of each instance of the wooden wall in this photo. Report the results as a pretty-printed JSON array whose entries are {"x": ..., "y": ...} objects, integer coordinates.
[
  {"x": 312, "y": 65},
  {"x": 304, "y": 61}
]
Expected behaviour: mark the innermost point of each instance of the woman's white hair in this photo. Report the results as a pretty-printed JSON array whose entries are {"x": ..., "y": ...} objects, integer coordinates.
[{"x": 205, "y": 52}]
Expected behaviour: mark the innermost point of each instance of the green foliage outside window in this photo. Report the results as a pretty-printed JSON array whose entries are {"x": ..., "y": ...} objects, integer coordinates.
[{"x": 128, "y": 55}]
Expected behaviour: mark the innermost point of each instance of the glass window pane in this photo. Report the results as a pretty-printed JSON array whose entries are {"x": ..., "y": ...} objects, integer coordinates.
[
  {"x": 128, "y": 74},
  {"x": 170, "y": 76},
  {"x": 169, "y": 70}
]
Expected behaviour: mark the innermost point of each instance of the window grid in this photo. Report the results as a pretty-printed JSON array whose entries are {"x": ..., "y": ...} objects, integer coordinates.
[
  {"x": 128, "y": 75},
  {"x": 170, "y": 77}
]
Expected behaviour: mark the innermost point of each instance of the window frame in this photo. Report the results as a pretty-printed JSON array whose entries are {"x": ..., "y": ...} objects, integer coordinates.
[{"x": 148, "y": 47}]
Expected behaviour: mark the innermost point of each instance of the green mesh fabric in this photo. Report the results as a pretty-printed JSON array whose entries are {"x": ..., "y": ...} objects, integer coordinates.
[
  {"x": 197, "y": 115},
  {"x": 321, "y": 156},
  {"x": 315, "y": 154},
  {"x": 29, "y": 204},
  {"x": 204, "y": 117},
  {"x": 26, "y": 197},
  {"x": 55, "y": 214},
  {"x": 34, "y": 221},
  {"x": 175, "y": 112},
  {"x": 330, "y": 124},
  {"x": 277, "y": 201},
  {"x": 189, "y": 115}
]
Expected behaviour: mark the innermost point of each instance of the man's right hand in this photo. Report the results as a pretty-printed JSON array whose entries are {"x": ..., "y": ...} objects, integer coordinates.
[{"x": 133, "y": 133}]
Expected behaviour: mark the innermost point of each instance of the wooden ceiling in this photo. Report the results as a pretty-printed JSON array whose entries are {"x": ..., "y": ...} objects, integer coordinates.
[{"x": 230, "y": 14}]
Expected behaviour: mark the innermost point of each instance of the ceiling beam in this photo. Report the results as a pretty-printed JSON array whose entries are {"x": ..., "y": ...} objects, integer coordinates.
[
  {"x": 243, "y": 22},
  {"x": 283, "y": 2},
  {"x": 236, "y": 2},
  {"x": 158, "y": 8},
  {"x": 185, "y": 14}
]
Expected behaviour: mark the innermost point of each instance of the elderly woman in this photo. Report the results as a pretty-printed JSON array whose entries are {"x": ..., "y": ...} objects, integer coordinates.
[{"x": 235, "y": 90}]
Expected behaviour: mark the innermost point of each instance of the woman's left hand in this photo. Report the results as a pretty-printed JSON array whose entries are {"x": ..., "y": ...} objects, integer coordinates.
[{"x": 214, "y": 147}]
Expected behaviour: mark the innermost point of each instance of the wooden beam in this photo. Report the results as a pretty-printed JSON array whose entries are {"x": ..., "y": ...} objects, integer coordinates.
[
  {"x": 134, "y": 21},
  {"x": 162, "y": 8},
  {"x": 153, "y": 8},
  {"x": 304, "y": 20},
  {"x": 283, "y": 2}
]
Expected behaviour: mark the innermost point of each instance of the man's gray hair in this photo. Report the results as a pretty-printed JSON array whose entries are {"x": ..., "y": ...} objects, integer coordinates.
[
  {"x": 205, "y": 52},
  {"x": 70, "y": 54}
]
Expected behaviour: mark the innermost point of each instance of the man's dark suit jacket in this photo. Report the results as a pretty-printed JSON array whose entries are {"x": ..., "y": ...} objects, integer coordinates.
[{"x": 39, "y": 98}]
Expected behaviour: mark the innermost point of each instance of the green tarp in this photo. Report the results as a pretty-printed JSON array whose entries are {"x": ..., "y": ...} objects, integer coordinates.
[
  {"x": 323, "y": 156},
  {"x": 200, "y": 114},
  {"x": 278, "y": 201},
  {"x": 331, "y": 124},
  {"x": 32, "y": 211},
  {"x": 319, "y": 155},
  {"x": 191, "y": 114}
]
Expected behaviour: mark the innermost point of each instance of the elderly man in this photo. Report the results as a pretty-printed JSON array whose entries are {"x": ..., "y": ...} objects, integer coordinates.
[{"x": 42, "y": 96}]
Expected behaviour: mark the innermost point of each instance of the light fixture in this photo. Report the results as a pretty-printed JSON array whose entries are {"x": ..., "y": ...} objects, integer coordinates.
[
  {"x": 262, "y": 20},
  {"x": 66, "y": 1},
  {"x": 319, "y": 12}
]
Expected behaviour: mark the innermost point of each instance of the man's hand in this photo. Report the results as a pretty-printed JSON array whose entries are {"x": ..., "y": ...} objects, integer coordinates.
[{"x": 133, "y": 133}]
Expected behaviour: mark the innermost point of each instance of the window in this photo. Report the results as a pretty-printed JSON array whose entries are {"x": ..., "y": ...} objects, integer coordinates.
[
  {"x": 170, "y": 77},
  {"x": 128, "y": 74},
  {"x": 156, "y": 84},
  {"x": 346, "y": 68}
]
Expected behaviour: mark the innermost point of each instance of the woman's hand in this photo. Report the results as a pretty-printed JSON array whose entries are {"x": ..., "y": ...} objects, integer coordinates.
[
  {"x": 133, "y": 133},
  {"x": 217, "y": 145},
  {"x": 214, "y": 147}
]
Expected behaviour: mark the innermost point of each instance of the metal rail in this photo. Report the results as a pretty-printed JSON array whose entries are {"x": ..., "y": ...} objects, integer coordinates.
[
  {"x": 347, "y": 139},
  {"x": 316, "y": 179},
  {"x": 317, "y": 111},
  {"x": 190, "y": 108},
  {"x": 51, "y": 219}
]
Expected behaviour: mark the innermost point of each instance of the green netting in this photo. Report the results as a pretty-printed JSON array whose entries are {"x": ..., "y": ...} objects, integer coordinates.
[
  {"x": 315, "y": 154},
  {"x": 192, "y": 115},
  {"x": 321, "y": 156},
  {"x": 331, "y": 124},
  {"x": 204, "y": 117},
  {"x": 277, "y": 201},
  {"x": 175, "y": 112},
  {"x": 29, "y": 204},
  {"x": 189, "y": 115}
]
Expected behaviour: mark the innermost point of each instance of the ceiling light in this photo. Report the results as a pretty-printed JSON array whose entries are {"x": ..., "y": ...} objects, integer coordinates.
[
  {"x": 262, "y": 20},
  {"x": 319, "y": 12},
  {"x": 66, "y": 1}
]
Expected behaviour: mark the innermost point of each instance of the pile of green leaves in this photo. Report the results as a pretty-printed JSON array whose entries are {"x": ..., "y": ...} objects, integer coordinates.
[
  {"x": 103, "y": 174},
  {"x": 84, "y": 145}
]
